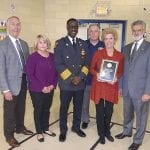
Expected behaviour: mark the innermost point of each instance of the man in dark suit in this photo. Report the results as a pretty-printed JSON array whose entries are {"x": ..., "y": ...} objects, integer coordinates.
[
  {"x": 71, "y": 59},
  {"x": 13, "y": 54},
  {"x": 135, "y": 85}
]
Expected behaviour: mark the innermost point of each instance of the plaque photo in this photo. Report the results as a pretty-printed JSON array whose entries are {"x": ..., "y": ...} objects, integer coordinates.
[{"x": 108, "y": 70}]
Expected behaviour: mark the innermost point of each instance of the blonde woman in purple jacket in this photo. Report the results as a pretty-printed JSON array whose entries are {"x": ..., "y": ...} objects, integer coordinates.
[{"x": 42, "y": 77}]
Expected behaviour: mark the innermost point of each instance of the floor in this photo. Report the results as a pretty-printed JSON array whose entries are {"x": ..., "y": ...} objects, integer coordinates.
[{"x": 73, "y": 142}]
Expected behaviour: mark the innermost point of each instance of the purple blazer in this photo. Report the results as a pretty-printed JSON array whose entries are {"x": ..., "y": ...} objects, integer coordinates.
[{"x": 40, "y": 71}]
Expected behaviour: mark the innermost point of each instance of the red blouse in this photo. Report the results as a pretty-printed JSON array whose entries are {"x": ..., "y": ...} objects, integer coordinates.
[{"x": 105, "y": 90}]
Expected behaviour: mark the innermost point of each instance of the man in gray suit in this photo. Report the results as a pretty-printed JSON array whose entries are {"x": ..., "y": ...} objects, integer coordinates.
[
  {"x": 136, "y": 85},
  {"x": 13, "y": 54}
]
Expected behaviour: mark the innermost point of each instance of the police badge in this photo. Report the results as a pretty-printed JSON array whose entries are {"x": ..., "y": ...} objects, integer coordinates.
[{"x": 82, "y": 53}]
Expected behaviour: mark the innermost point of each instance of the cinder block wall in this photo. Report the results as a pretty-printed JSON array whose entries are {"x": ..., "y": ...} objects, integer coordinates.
[
  {"x": 57, "y": 12},
  {"x": 49, "y": 16},
  {"x": 31, "y": 13}
]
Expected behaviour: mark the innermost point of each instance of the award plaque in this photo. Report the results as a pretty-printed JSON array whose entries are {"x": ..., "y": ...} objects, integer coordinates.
[{"x": 108, "y": 70}]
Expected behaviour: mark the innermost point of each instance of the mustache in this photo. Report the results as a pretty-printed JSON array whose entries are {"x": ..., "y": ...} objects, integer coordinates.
[{"x": 138, "y": 37}]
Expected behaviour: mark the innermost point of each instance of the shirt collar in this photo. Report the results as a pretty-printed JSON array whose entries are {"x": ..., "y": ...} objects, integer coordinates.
[
  {"x": 13, "y": 39},
  {"x": 70, "y": 38},
  {"x": 139, "y": 42}
]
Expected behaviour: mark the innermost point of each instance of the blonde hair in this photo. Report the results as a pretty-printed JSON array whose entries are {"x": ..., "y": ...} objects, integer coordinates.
[
  {"x": 109, "y": 31},
  {"x": 44, "y": 38}
]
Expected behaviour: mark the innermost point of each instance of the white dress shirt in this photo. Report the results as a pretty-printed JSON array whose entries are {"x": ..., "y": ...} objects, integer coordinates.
[{"x": 138, "y": 45}]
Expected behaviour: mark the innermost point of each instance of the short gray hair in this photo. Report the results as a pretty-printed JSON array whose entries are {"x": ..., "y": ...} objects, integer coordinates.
[
  {"x": 139, "y": 22},
  {"x": 95, "y": 25},
  {"x": 12, "y": 18}
]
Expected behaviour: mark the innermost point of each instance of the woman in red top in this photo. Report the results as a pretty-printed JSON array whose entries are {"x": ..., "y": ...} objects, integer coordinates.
[{"x": 104, "y": 90}]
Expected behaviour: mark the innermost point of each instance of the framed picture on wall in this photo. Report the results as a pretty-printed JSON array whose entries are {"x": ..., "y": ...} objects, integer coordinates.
[
  {"x": 3, "y": 31},
  {"x": 118, "y": 25}
]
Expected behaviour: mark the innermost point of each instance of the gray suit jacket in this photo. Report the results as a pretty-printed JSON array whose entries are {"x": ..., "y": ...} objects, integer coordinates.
[
  {"x": 136, "y": 76},
  {"x": 10, "y": 66}
]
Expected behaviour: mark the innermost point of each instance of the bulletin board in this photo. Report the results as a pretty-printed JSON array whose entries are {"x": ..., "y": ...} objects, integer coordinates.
[{"x": 119, "y": 25}]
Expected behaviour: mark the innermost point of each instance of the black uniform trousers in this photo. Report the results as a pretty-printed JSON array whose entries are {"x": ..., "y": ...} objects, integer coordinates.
[
  {"x": 104, "y": 112},
  {"x": 14, "y": 111},
  {"x": 65, "y": 99},
  {"x": 42, "y": 103}
]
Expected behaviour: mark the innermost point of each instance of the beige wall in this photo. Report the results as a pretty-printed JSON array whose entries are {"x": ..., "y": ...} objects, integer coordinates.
[
  {"x": 49, "y": 16},
  {"x": 57, "y": 12},
  {"x": 31, "y": 13}
]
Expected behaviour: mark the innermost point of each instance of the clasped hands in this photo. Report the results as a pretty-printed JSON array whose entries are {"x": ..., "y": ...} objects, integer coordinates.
[
  {"x": 109, "y": 82},
  {"x": 47, "y": 89},
  {"x": 145, "y": 97},
  {"x": 76, "y": 80}
]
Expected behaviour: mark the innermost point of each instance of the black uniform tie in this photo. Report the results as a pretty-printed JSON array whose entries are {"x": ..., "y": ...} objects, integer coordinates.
[
  {"x": 133, "y": 51},
  {"x": 20, "y": 53},
  {"x": 73, "y": 43}
]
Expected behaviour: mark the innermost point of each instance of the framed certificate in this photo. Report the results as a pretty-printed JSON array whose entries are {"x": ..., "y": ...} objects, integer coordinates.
[{"x": 108, "y": 70}]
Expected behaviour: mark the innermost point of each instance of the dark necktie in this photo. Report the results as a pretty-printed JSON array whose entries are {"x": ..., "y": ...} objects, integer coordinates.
[
  {"x": 20, "y": 53},
  {"x": 73, "y": 43},
  {"x": 133, "y": 51}
]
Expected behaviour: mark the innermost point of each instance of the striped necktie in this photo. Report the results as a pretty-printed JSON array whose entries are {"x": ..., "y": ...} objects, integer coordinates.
[
  {"x": 22, "y": 57},
  {"x": 133, "y": 51}
]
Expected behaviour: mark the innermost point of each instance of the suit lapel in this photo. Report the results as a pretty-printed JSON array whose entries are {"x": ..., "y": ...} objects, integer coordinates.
[
  {"x": 70, "y": 51},
  {"x": 79, "y": 48},
  {"x": 12, "y": 48},
  {"x": 24, "y": 49},
  {"x": 69, "y": 45},
  {"x": 128, "y": 51}
]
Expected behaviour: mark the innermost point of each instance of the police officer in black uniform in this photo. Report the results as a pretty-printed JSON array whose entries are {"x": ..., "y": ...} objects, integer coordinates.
[{"x": 71, "y": 59}]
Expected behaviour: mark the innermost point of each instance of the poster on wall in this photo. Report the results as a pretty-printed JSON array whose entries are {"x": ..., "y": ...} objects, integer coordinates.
[{"x": 3, "y": 31}]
